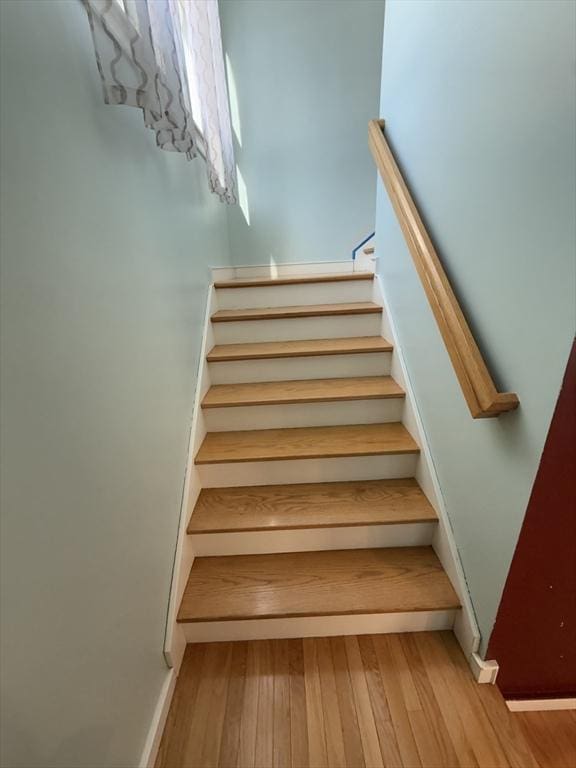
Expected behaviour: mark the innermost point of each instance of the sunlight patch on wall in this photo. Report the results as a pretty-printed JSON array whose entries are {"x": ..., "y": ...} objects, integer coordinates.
[
  {"x": 243, "y": 196},
  {"x": 233, "y": 98},
  {"x": 273, "y": 268}
]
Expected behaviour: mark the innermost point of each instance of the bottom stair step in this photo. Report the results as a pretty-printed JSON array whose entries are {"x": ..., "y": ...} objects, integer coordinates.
[{"x": 328, "y": 583}]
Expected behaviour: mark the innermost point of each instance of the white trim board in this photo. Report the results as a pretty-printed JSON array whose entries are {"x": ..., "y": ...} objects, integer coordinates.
[
  {"x": 539, "y": 705},
  {"x": 175, "y": 639},
  {"x": 175, "y": 643},
  {"x": 465, "y": 625},
  {"x": 150, "y": 751},
  {"x": 484, "y": 671}
]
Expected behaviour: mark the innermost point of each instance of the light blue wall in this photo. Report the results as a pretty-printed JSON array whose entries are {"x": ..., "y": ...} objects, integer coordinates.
[
  {"x": 105, "y": 247},
  {"x": 306, "y": 77},
  {"x": 479, "y": 103}
]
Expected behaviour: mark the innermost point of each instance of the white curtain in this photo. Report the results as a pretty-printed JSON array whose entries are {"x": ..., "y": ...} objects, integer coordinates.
[{"x": 165, "y": 57}]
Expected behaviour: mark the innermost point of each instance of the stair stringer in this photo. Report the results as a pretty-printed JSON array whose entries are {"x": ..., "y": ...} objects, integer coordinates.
[
  {"x": 465, "y": 625},
  {"x": 174, "y": 639}
]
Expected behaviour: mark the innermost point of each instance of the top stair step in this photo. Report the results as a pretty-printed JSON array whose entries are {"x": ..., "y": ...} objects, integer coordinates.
[
  {"x": 310, "y": 310},
  {"x": 254, "y": 282}
]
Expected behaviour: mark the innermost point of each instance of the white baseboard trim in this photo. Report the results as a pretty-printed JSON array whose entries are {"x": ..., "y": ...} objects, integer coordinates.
[
  {"x": 174, "y": 642},
  {"x": 158, "y": 721},
  {"x": 483, "y": 671},
  {"x": 539, "y": 705}
]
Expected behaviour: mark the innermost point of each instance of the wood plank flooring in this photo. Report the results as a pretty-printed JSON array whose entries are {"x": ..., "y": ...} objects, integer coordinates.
[
  {"x": 310, "y": 505},
  {"x": 301, "y": 391},
  {"x": 306, "y": 443},
  {"x": 400, "y": 701},
  {"x": 263, "y": 350},
  {"x": 326, "y": 277},
  {"x": 323, "y": 583},
  {"x": 304, "y": 310}
]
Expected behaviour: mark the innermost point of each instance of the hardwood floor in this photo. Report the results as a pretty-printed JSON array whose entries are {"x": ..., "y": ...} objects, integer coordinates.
[
  {"x": 552, "y": 736},
  {"x": 400, "y": 701}
]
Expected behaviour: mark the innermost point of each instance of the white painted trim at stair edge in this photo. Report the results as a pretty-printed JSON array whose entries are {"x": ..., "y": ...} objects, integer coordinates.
[
  {"x": 539, "y": 705},
  {"x": 465, "y": 625},
  {"x": 156, "y": 729},
  {"x": 174, "y": 643},
  {"x": 175, "y": 639}
]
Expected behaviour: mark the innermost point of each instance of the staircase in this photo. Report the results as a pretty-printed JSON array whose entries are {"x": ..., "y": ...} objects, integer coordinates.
[{"x": 309, "y": 520}]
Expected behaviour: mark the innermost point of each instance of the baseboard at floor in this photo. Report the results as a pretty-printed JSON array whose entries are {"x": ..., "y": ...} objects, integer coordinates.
[
  {"x": 152, "y": 744},
  {"x": 483, "y": 671},
  {"x": 539, "y": 705}
]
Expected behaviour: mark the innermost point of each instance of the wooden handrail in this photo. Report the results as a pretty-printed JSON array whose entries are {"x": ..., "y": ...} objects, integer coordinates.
[{"x": 483, "y": 399}]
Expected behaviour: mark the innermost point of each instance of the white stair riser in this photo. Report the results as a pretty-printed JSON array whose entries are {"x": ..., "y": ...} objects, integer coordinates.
[
  {"x": 293, "y": 269},
  {"x": 307, "y": 470},
  {"x": 294, "y": 295},
  {"x": 303, "y": 415},
  {"x": 312, "y": 539},
  {"x": 285, "y": 329},
  {"x": 291, "y": 368},
  {"x": 319, "y": 626}
]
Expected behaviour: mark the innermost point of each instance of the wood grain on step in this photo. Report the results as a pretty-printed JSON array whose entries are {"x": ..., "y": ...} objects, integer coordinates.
[
  {"x": 255, "y": 282},
  {"x": 263, "y": 350},
  {"x": 316, "y": 584},
  {"x": 301, "y": 391},
  {"x": 310, "y": 310},
  {"x": 306, "y": 443},
  {"x": 310, "y": 505}
]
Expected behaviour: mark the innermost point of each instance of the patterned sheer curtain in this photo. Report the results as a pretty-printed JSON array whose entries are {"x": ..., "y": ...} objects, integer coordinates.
[{"x": 165, "y": 57}]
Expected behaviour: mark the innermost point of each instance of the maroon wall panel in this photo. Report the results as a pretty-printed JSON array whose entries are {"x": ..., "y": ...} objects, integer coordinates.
[{"x": 534, "y": 637}]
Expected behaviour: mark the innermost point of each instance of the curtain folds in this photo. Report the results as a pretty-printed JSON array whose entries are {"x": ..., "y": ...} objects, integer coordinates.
[{"x": 165, "y": 57}]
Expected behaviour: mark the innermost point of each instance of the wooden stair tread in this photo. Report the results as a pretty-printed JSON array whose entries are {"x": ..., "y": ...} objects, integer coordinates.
[
  {"x": 306, "y": 310},
  {"x": 250, "y": 282},
  {"x": 263, "y": 350},
  {"x": 310, "y": 505},
  {"x": 327, "y": 583},
  {"x": 305, "y": 443},
  {"x": 301, "y": 391}
]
